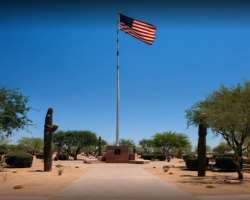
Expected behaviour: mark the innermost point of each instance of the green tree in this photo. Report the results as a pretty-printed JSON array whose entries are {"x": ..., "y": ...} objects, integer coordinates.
[
  {"x": 73, "y": 142},
  {"x": 170, "y": 141},
  {"x": 222, "y": 148},
  {"x": 13, "y": 111},
  {"x": 146, "y": 144},
  {"x": 127, "y": 142},
  {"x": 227, "y": 112},
  {"x": 31, "y": 145}
]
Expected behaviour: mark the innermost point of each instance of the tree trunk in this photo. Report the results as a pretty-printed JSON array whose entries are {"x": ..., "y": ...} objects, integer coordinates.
[
  {"x": 202, "y": 158},
  {"x": 239, "y": 163}
]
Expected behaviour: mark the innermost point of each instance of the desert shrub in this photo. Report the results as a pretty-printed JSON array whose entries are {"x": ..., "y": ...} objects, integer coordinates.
[
  {"x": 63, "y": 156},
  {"x": 19, "y": 159},
  {"x": 192, "y": 162},
  {"x": 225, "y": 163},
  {"x": 188, "y": 156},
  {"x": 39, "y": 156},
  {"x": 153, "y": 156},
  {"x": 3, "y": 149}
]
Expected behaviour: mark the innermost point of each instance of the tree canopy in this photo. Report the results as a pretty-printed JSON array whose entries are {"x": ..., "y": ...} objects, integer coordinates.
[
  {"x": 127, "y": 142},
  {"x": 227, "y": 112},
  {"x": 73, "y": 142},
  {"x": 13, "y": 111},
  {"x": 222, "y": 148},
  {"x": 32, "y": 145},
  {"x": 171, "y": 141}
]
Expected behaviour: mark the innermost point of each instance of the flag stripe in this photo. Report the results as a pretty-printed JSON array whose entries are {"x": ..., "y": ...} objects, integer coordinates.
[
  {"x": 143, "y": 31},
  {"x": 134, "y": 34},
  {"x": 129, "y": 30},
  {"x": 138, "y": 29},
  {"x": 139, "y": 32},
  {"x": 144, "y": 24},
  {"x": 144, "y": 27}
]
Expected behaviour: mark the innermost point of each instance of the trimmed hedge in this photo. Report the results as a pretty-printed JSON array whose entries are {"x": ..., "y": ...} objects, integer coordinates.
[
  {"x": 39, "y": 156},
  {"x": 19, "y": 159},
  {"x": 63, "y": 156},
  {"x": 155, "y": 156},
  {"x": 192, "y": 162},
  {"x": 225, "y": 163}
]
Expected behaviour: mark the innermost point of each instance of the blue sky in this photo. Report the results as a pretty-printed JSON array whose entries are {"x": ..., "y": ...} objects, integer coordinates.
[{"x": 65, "y": 58}]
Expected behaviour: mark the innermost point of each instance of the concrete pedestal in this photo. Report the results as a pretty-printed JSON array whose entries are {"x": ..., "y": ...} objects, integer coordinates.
[{"x": 117, "y": 154}]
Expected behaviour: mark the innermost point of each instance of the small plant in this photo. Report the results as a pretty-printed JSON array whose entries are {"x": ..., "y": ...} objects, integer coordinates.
[
  {"x": 76, "y": 166},
  {"x": 170, "y": 173},
  {"x": 210, "y": 186},
  {"x": 17, "y": 187},
  {"x": 60, "y": 171},
  {"x": 165, "y": 168},
  {"x": 63, "y": 156},
  {"x": 59, "y": 166}
]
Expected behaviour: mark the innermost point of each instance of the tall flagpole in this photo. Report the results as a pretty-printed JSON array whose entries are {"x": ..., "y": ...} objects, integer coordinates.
[{"x": 117, "y": 83}]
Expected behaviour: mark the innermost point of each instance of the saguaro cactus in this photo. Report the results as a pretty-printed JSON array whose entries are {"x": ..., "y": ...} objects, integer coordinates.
[
  {"x": 99, "y": 146},
  {"x": 49, "y": 129},
  {"x": 202, "y": 158}
]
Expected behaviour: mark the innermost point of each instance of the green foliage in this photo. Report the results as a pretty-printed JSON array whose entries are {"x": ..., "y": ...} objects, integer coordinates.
[
  {"x": 100, "y": 146},
  {"x": 197, "y": 114},
  {"x": 40, "y": 156},
  {"x": 153, "y": 156},
  {"x": 227, "y": 112},
  {"x": 225, "y": 163},
  {"x": 222, "y": 148},
  {"x": 191, "y": 162},
  {"x": 31, "y": 145},
  {"x": 170, "y": 141},
  {"x": 13, "y": 111},
  {"x": 127, "y": 142},
  {"x": 63, "y": 156},
  {"x": 146, "y": 144},
  {"x": 3, "y": 149},
  {"x": 19, "y": 159},
  {"x": 73, "y": 142}
]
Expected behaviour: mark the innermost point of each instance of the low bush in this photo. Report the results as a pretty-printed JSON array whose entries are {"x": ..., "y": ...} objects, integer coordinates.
[
  {"x": 39, "y": 156},
  {"x": 63, "y": 156},
  {"x": 3, "y": 149},
  {"x": 225, "y": 163},
  {"x": 153, "y": 156},
  {"x": 19, "y": 159},
  {"x": 192, "y": 162}
]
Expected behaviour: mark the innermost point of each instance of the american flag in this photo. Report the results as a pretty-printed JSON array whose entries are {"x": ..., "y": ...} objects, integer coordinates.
[{"x": 138, "y": 29}]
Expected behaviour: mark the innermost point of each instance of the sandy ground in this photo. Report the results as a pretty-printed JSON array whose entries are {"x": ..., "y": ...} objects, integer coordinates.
[
  {"x": 35, "y": 182},
  {"x": 215, "y": 183}
]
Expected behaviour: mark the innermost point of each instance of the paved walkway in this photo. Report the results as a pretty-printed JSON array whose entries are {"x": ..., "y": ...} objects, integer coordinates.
[{"x": 121, "y": 182}]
